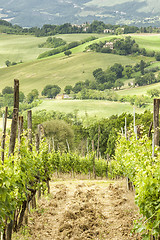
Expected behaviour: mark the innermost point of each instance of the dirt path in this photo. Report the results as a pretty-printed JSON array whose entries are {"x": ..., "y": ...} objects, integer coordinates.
[{"x": 83, "y": 209}]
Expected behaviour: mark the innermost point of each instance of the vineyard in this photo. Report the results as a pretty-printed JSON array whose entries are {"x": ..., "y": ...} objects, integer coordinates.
[{"x": 28, "y": 164}]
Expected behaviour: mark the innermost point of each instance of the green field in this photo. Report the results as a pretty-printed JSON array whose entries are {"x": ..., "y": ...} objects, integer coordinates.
[
  {"x": 16, "y": 48},
  {"x": 59, "y": 70},
  {"x": 92, "y": 108},
  {"x": 63, "y": 70},
  {"x": 78, "y": 37},
  {"x": 148, "y": 41},
  {"x": 139, "y": 90},
  {"x": 25, "y": 47}
]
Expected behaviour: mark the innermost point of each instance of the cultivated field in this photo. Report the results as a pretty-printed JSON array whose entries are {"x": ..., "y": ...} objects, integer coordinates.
[{"x": 83, "y": 209}]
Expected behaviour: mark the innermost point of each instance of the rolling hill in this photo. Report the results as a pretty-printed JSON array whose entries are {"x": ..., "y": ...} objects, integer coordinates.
[
  {"x": 62, "y": 70},
  {"x": 28, "y": 13},
  {"x": 58, "y": 69}
]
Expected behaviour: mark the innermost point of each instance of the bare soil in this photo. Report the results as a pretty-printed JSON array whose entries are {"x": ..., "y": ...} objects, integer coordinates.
[{"x": 84, "y": 209}]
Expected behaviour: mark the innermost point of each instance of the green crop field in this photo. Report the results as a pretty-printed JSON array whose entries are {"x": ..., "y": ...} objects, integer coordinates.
[{"x": 92, "y": 108}]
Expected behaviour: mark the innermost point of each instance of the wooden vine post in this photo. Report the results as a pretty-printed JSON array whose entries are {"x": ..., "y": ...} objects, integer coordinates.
[
  {"x": 94, "y": 170},
  {"x": 14, "y": 117},
  {"x": 13, "y": 139},
  {"x": 156, "y": 105},
  {"x": 4, "y": 134},
  {"x": 98, "y": 153},
  {"x": 29, "y": 122},
  {"x": 155, "y": 141},
  {"x": 30, "y": 130},
  {"x": 20, "y": 130}
]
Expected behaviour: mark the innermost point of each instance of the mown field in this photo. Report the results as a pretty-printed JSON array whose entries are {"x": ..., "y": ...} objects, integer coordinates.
[
  {"x": 148, "y": 41},
  {"x": 91, "y": 108},
  {"x": 25, "y": 48},
  {"x": 16, "y": 48},
  {"x": 138, "y": 90},
  {"x": 59, "y": 70}
]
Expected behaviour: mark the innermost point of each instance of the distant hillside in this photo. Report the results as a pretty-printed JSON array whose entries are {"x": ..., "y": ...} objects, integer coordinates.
[{"x": 28, "y": 13}]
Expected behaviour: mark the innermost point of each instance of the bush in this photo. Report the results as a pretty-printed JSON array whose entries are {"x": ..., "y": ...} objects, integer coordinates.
[
  {"x": 51, "y": 91},
  {"x": 7, "y": 90}
]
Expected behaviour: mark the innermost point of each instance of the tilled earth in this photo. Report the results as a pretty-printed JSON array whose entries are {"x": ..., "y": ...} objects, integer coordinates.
[{"x": 84, "y": 209}]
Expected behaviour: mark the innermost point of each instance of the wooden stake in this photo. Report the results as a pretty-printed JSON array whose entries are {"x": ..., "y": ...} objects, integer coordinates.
[
  {"x": 153, "y": 145},
  {"x": 94, "y": 172},
  {"x": 150, "y": 129},
  {"x": 30, "y": 130},
  {"x": 37, "y": 149},
  {"x": 134, "y": 120},
  {"x": 13, "y": 131},
  {"x": 4, "y": 134},
  {"x": 33, "y": 203},
  {"x": 13, "y": 139},
  {"x": 68, "y": 145},
  {"x": 156, "y": 121},
  {"x": 14, "y": 118},
  {"x": 125, "y": 127},
  {"x": 98, "y": 142},
  {"x": 16, "y": 93},
  {"x": 20, "y": 129}
]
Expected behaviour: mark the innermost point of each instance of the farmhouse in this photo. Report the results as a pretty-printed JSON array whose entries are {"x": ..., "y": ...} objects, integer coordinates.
[
  {"x": 62, "y": 96},
  {"x": 109, "y": 45},
  {"x": 108, "y": 31}
]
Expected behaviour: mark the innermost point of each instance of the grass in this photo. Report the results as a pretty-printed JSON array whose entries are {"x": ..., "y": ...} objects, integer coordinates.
[
  {"x": 92, "y": 108},
  {"x": 25, "y": 47},
  {"x": 148, "y": 41},
  {"x": 139, "y": 90},
  {"x": 63, "y": 70},
  {"x": 78, "y": 37},
  {"x": 16, "y": 48},
  {"x": 59, "y": 70}
]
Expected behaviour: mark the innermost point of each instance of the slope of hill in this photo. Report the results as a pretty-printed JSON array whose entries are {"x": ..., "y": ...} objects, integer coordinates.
[
  {"x": 59, "y": 70},
  {"x": 62, "y": 70},
  {"x": 36, "y": 13}
]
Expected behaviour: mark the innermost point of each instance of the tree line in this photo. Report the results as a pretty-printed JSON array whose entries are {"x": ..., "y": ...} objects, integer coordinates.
[
  {"x": 124, "y": 46},
  {"x": 67, "y": 28},
  {"x": 64, "y": 47}
]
